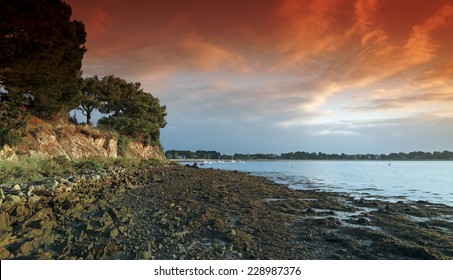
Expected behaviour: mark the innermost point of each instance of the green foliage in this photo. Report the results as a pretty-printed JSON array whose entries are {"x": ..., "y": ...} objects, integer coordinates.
[
  {"x": 29, "y": 169},
  {"x": 132, "y": 112},
  {"x": 123, "y": 142},
  {"x": 73, "y": 120},
  {"x": 32, "y": 169},
  {"x": 89, "y": 164},
  {"x": 41, "y": 56},
  {"x": 90, "y": 97},
  {"x": 12, "y": 120}
]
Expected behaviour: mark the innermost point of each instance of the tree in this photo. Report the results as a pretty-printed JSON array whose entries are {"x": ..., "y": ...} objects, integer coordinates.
[
  {"x": 133, "y": 112},
  {"x": 12, "y": 119},
  {"x": 91, "y": 97},
  {"x": 41, "y": 55}
]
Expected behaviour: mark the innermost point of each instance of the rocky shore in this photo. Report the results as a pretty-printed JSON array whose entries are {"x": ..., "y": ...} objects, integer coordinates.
[{"x": 176, "y": 212}]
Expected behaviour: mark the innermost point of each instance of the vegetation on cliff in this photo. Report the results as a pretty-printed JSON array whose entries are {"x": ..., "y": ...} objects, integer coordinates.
[
  {"x": 40, "y": 76},
  {"x": 35, "y": 169},
  {"x": 128, "y": 109}
]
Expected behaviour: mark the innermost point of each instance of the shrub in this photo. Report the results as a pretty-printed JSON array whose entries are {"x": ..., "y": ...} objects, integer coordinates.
[{"x": 90, "y": 164}]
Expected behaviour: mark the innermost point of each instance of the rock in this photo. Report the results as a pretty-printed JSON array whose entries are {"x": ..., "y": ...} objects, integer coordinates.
[
  {"x": 2, "y": 194},
  {"x": 42, "y": 190},
  {"x": 94, "y": 225},
  {"x": 45, "y": 213},
  {"x": 114, "y": 233},
  {"x": 15, "y": 199},
  {"x": 181, "y": 248},
  {"x": 145, "y": 255},
  {"x": 21, "y": 212},
  {"x": 16, "y": 189},
  {"x": 30, "y": 191},
  {"x": 26, "y": 248},
  {"x": 333, "y": 238},
  {"x": 33, "y": 199},
  {"x": 106, "y": 220},
  {"x": 5, "y": 254},
  {"x": 8, "y": 153},
  {"x": 8, "y": 205},
  {"x": 5, "y": 221},
  {"x": 122, "y": 229},
  {"x": 44, "y": 256},
  {"x": 363, "y": 221}
]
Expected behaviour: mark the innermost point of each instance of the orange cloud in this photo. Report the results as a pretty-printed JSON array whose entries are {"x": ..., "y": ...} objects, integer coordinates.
[
  {"x": 305, "y": 29},
  {"x": 319, "y": 49},
  {"x": 439, "y": 74},
  {"x": 420, "y": 47}
]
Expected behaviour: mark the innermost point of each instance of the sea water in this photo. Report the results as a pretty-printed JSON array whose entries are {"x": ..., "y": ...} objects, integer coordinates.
[{"x": 397, "y": 180}]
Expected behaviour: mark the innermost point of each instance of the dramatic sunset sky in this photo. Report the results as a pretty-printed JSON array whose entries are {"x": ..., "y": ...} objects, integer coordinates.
[{"x": 352, "y": 76}]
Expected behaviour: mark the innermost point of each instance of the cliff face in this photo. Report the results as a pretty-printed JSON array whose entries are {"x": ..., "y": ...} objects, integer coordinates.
[{"x": 46, "y": 141}]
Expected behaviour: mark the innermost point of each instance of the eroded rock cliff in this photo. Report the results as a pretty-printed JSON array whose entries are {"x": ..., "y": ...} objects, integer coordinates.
[{"x": 71, "y": 141}]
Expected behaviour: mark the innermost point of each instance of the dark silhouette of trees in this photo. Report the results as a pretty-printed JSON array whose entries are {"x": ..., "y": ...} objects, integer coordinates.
[
  {"x": 445, "y": 155},
  {"x": 131, "y": 111},
  {"x": 41, "y": 55},
  {"x": 91, "y": 97}
]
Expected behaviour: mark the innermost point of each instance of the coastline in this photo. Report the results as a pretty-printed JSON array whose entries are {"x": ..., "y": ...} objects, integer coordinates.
[{"x": 177, "y": 212}]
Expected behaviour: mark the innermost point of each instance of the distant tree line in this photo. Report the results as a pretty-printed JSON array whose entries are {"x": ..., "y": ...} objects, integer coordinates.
[
  {"x": 214, "y": 155},
  {"x": 40, "y": 75},
  {"x": 174, "y": 154}
]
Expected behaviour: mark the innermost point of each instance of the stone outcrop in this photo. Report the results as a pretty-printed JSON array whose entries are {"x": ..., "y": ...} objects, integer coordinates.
[
  {"x": 8, "y": 153},
  {"x": 68, "y": 142},
  {"x": 136, "y": 149},
  {"x": 46, "y": 141}
]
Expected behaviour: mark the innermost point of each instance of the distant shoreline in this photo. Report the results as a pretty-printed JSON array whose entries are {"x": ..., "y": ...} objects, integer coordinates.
[
  {"x": 300, "y": 155},
  {"x": 270, "y": 160}
]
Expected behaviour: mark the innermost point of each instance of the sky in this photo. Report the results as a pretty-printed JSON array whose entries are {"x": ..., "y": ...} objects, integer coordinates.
[{"x": 273, "y": 76}]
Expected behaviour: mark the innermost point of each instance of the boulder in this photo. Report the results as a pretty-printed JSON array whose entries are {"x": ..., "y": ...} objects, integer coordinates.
[
  {"x": 33, "y": 199},
  {"x": 15, "y": 199},
  {"x": 5, "y": 221},
  {"x": 26, "y": 248},
  {"x": 5, "y": 254}
]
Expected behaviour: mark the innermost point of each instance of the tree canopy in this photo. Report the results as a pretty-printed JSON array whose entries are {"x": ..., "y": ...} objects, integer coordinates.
[
  {"x": 91, "y": 97},
  {"x": 41, "y": 55},
  {"x": 128, "y": 109}
]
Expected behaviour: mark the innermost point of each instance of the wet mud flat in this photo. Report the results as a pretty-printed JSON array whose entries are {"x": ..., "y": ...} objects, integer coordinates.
[{"x": 178, "y": 212}]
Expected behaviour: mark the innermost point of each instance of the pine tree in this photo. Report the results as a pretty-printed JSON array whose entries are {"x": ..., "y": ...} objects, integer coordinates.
[{"x": 41, "y": 55}]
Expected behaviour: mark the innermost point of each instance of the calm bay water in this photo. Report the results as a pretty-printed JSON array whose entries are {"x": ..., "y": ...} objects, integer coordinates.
[{"x": 399, "y": 180}]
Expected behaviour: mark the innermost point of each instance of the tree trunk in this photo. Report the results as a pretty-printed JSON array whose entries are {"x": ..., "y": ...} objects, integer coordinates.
[{"x": 89, "y": 118}]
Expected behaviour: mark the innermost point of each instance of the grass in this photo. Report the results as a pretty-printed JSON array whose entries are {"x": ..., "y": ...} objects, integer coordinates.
[{"x": 31, "y": 169}]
